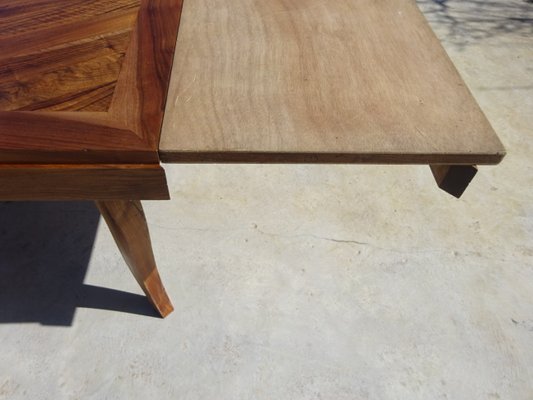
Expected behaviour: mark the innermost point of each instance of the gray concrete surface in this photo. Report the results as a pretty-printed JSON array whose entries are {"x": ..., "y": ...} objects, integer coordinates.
[{"x": 298, "y": 282}]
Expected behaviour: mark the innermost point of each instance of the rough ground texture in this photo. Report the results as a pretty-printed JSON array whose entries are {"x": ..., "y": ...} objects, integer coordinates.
[{"x": 298, "y": 282}]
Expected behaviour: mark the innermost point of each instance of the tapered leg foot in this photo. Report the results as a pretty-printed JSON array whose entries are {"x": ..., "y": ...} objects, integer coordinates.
[
  {"x": 127, "y": 223},
  {"x": 454, "y": 179}
]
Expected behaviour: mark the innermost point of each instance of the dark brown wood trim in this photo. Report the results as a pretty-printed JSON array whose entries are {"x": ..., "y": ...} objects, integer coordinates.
[
  {"x": 29, "y": 137},
  {"x": 453, "y": 179},
  {"x": 82, "y": 182},
  {"x": 148, "y": 62},
  {"x": 184, "y": 157}
]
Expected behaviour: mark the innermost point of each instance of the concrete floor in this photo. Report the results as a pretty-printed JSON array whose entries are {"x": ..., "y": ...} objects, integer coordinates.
[{"x": 298, "y": 282}]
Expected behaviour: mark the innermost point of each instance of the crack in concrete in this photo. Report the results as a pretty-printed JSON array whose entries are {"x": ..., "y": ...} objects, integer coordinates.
[{"x": 412, "y": 251}]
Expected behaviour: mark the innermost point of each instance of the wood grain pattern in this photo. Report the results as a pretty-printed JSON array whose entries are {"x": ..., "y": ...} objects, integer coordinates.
[
  {"x": 66, "y": 63},
  {"x": 141, "y": 92},
  {"x": 82, "y": 182},
  {"x": 358, "y": 81},
  {"x": 84, "y": 138},
  {"x": 52, "y": 74},
  {"x": 127, "y": 223}
]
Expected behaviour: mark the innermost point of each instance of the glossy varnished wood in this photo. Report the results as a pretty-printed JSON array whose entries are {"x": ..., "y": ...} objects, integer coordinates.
[
  {"x": 82, "y": 138},
  {"x": 82, "y": 182},
  {"x": 54, "y": 59},
  {"x": 127, "y": 223},
  {"x": 99, "y": 69},
  {"x": 355, "y": 81}
]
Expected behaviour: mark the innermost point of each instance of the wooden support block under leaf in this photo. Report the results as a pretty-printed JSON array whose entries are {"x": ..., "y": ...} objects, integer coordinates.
[{"x": 454, "y": 179}]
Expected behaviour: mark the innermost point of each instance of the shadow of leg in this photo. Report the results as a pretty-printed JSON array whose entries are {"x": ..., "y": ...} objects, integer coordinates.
[{"x": 45, "y": 249}]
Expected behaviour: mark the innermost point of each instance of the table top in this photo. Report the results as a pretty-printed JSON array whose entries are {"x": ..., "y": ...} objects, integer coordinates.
[
  {"x": 84, "y": 81},
  {"x": 359, "y": 81}
]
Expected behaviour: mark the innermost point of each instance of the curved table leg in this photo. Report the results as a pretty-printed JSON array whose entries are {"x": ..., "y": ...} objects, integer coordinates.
[{"x": 127, "y": 223}]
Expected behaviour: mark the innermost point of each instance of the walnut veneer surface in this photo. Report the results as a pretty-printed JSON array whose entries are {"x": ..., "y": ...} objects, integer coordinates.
[
  {"x": 62, "y": 55},
  {"x": 84, "y": 81}
]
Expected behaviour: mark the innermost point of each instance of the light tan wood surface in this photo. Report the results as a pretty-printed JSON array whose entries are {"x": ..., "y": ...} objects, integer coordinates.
[
  {"x": 362, "y": 81},
  {"x": 127, "y": 223}
]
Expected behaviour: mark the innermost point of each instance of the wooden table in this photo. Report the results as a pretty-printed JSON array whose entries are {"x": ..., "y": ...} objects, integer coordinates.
[{"x": 84, "y": 111}]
